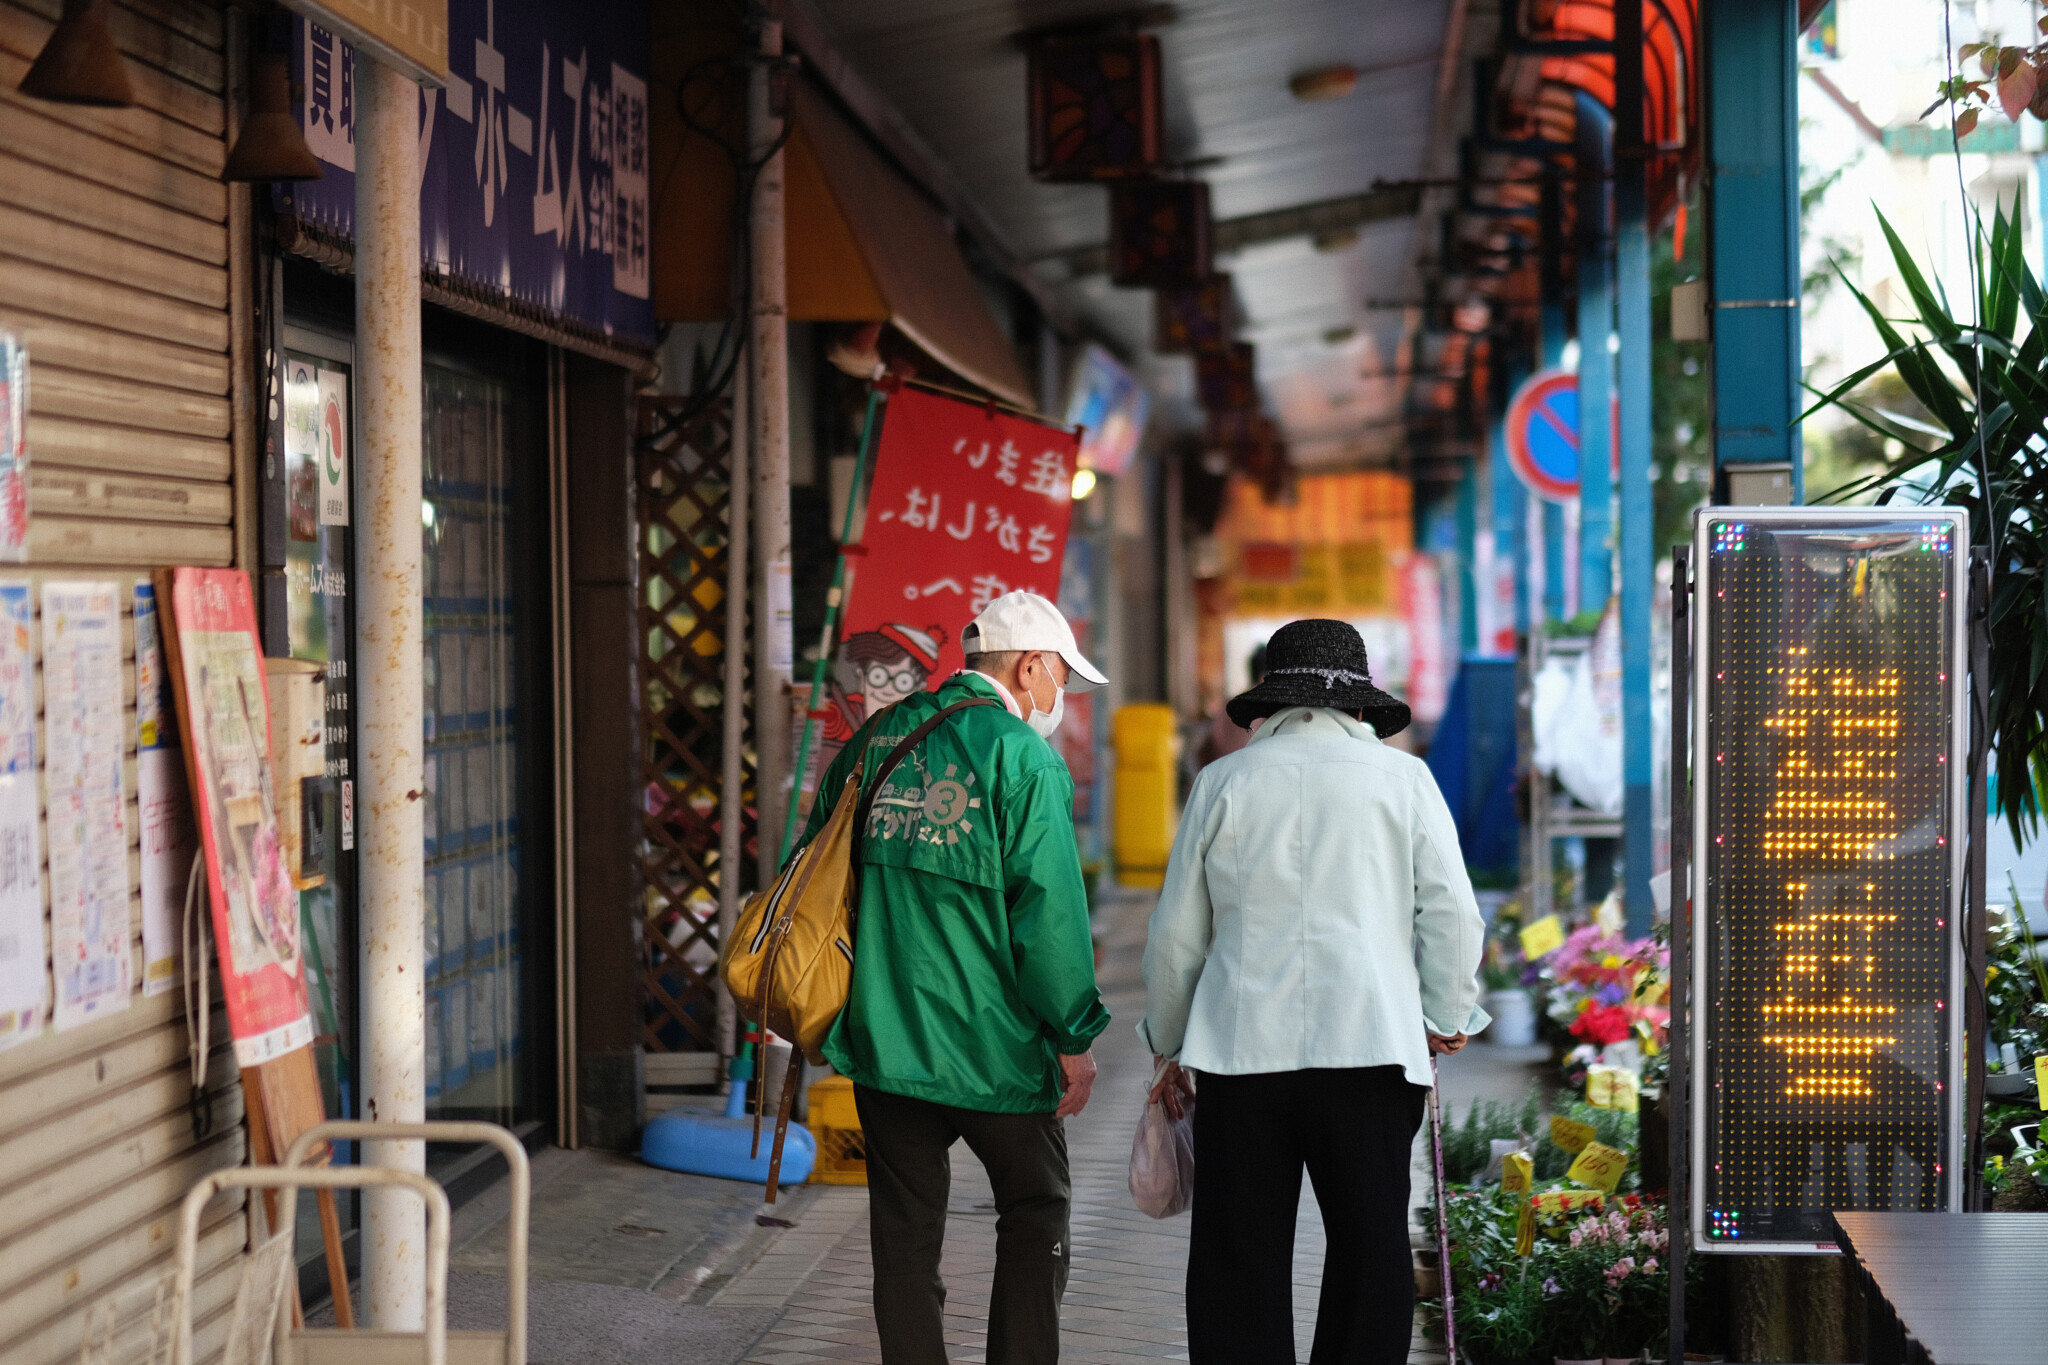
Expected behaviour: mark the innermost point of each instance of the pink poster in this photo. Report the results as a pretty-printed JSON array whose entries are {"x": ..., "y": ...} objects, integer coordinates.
[{"x": 224, "y": 708}]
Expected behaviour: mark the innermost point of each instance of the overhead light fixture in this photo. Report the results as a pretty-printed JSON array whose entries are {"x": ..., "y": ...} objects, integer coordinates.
[
  {"x": 1324, "y": 83},
  {"x": 271, "y": 146},
  {"x": 80, "y": 63}
]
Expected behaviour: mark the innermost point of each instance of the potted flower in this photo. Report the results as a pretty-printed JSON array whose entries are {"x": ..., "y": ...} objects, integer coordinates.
[
  {"x": 1611, "y": 994},
  {"x": 1506, "y": 976}
]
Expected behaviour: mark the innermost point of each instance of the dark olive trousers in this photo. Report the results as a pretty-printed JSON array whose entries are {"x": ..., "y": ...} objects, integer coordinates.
[
  {"x": 1352, "y": 1130},
  {"x": 910, "y": 1176}
]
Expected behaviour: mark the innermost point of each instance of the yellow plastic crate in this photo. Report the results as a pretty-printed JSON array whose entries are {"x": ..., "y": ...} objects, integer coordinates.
[{"x": 835, "y": 1123}]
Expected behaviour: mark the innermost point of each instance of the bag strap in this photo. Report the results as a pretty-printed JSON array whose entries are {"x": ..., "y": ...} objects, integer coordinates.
[{"x": 888, "y": 765}]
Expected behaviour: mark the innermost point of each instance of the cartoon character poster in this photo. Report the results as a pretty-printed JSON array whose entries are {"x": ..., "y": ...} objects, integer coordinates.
[
  {"x": 216, "y": 662},
  {"x": 873, "y": 670}
]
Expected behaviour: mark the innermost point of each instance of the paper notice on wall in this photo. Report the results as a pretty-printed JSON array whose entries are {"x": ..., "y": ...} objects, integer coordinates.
[
  {"x": 24, "y": 995},
  {"x": 781, "y": 619},
  {"x": 168, "y": 840},
  {"x": 13, "y": 448},
  {"x": 331, "y": 447},
  {"x": 87, "y": 799}
]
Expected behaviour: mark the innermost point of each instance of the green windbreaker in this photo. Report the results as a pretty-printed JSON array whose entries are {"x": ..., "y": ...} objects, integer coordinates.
[{"x": 972, "y": 960}]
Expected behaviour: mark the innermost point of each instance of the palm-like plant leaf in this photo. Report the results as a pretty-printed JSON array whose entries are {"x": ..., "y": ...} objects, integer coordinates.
[{"x": 1985, "y": 382}]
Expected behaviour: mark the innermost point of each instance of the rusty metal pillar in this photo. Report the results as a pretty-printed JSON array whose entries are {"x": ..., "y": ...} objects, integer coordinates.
[
  {"x": 774, "y": 651},
  {"x": 388, "y": 644}
]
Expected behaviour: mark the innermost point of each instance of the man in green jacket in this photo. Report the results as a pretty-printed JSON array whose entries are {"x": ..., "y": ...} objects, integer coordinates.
[{"x": 973, "y": 1006}]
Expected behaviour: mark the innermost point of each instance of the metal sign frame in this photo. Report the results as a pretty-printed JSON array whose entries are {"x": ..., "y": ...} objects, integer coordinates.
[{"x": 1953, "y": 1152}]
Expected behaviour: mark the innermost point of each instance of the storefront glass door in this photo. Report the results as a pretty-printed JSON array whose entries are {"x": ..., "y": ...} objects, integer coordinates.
[{"x": 476, "y": 1030}]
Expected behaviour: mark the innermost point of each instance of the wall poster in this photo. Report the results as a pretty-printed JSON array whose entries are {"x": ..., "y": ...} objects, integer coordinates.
[
  {"x": 967, "y": 503},
  {"x": 168, "y": 841},
  {"x": 24, "y": 997},
  {"x": 87, "y": 799},
  {"x": 216, "y": 667}
]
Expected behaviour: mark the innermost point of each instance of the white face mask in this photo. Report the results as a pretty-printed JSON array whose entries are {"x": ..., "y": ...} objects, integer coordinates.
[{"x": 1043, "y": 723}]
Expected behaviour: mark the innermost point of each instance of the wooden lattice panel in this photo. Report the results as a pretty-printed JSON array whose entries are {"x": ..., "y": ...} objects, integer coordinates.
[{"x": 683, "y": 502}]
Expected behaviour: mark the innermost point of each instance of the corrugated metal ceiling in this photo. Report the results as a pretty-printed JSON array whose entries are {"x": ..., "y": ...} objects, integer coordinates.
[{"x": 954, "y": 71}]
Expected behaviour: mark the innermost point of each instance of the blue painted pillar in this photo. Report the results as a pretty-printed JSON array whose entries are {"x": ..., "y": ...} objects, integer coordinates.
[
  {"x": 1595, "y": 160},
  {"x": 1468, "y": 559},
  {"x": 1554, "y": 548},
  {"x": 1638, "y": 509},
  {"x": 1752, "y": 117},
  {"x": 1510, "y": 514}
]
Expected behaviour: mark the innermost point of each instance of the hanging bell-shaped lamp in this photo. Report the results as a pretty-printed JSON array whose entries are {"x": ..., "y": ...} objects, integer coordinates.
[
  {"x": 80, "y": 64},
  {"x": 271, "y": 146}
]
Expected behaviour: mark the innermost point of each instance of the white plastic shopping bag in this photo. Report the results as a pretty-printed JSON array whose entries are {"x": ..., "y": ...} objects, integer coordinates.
[{"x": 1163, "y": 1160}]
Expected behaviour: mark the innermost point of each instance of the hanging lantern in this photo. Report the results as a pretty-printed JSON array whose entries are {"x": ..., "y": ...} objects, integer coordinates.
[
  {"x": 1191, "y": 317},
  {"x": 80, "y": 64},
  {"x": 1158, "y": 233},
  {"x": 1226, "y": 377},
  {"x": 271, "y": 146},
  {"x": 1095, "y": 108}
]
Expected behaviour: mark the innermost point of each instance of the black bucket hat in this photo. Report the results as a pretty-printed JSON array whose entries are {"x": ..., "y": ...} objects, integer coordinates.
[{"x": 1319, "y": 663}]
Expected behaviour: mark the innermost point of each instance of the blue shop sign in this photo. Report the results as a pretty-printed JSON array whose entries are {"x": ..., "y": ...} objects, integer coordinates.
[{"x": 534, "y": 168}]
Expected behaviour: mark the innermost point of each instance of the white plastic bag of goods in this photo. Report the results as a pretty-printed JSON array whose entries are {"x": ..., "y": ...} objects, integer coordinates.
[
  {"x": 1162, "y": 1178},
  {"x": 1588, "y": 725},
  {"x": 1547, "y": 693}
]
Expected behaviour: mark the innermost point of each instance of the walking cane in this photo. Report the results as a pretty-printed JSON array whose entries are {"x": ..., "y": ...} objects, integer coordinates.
[{"x": 1443, "y": 1209}]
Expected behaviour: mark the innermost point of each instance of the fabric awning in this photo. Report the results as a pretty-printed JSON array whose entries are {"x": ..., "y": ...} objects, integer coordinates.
[{"x": 861, "y": 243}]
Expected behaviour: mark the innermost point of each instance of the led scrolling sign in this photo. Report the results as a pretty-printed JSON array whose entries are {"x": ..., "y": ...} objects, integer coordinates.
[{"x": 1829, "y": 748}]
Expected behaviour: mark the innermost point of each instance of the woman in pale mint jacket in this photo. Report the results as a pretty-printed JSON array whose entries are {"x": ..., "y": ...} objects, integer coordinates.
[{"x": 1316, "y": 939}]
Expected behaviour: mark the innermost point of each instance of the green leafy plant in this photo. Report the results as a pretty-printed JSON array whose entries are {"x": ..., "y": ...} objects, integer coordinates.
[
  {"x": 1982, "y": 376},
  {"x": 1468, "y": 1147}
]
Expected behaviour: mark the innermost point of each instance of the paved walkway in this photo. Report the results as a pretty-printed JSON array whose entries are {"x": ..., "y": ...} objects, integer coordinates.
[{"x": 1124, "y": 1302}]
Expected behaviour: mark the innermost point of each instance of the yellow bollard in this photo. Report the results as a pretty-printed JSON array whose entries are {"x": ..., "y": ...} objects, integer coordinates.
[{"x": 1145, "y": 791}]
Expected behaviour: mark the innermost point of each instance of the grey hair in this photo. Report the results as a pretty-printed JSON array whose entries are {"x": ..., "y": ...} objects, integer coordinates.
[{"x": 998, "y": 663}]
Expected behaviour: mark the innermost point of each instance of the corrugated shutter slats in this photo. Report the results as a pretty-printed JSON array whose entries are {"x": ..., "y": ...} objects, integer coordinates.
[{"x": 114, "y": 268}]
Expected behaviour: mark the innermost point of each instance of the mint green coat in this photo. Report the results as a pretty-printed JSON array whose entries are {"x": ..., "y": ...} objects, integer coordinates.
[
  {"x": 1316, "y": 911},
  {"x": 973, "y": 966}
]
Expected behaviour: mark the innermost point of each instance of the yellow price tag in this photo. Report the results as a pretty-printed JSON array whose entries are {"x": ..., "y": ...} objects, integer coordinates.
[
  {"x": 1525, "y": 1231},
  {"x": 1599, "y": 1167},
  {"x": 1571, "y": 1135},
  {"x": 1613, "y": 1087},
  {"x": 1565, "y": 1201},
  {"x": 1542, "y": 938},
  {"x": 2041, "y": 1080},
  {"x": 1517, "y": 1173}
]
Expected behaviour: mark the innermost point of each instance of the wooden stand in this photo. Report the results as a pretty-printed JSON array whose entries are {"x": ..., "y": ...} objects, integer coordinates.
[{"x": 282, "y": 1097}]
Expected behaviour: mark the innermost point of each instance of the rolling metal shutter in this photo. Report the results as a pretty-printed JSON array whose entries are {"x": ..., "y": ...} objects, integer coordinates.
[{"x": 116, "y": 240}]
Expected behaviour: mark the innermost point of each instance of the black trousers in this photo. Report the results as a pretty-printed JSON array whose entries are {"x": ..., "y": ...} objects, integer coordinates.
[
  {"x": 1353, "y": 1130},
  {"x": 910, "y": 1176}
]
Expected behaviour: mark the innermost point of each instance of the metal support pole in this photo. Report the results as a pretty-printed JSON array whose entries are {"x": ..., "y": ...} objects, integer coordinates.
[
  {"x": 1510, "y": 521},
  {"x": 1637, "y": 560},
  {"x": 1752, "y": 118},
  {"x": 1677, "y": 1090},
  {"x": 1470, "y": 490},
  {"x": 774, "y": 647},
  {"x": 1595, "y": 141},
  {"x": 1975, "y": 935},
  {"x": 388, "y": 649},
  {"x": 732, "y": 797}
]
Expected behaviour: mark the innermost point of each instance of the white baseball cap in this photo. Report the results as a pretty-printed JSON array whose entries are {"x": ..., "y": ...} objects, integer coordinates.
[{"x": 1024, "y": 620}]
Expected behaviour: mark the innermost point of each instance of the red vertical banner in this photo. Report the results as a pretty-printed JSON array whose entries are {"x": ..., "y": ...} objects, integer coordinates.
[
  {"x": 968, "y": 503},
  {"x": 216, "y": 667}
]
